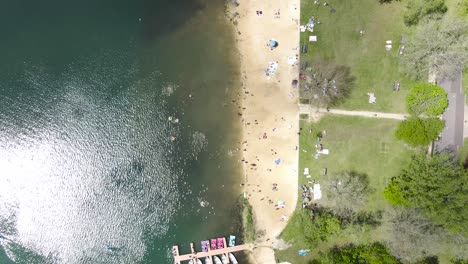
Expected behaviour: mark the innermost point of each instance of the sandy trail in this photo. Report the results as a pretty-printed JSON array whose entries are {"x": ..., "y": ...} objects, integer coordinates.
[{"x": 270, "y": 116}]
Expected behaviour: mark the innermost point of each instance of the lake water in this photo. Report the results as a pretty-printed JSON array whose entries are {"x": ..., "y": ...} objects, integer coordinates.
[{"x": 90, "y": 94}]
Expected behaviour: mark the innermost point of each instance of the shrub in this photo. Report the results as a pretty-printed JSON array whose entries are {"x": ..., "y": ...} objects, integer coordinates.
[
  {"x": 417, "y": 9},
  {"x": 350, "y": 254},
  {"x": 393, "y": 193},
  {"x": 427, "y": 99},
  {"x": 419, "y": 132},
  {"x": 308, "y": 229}
]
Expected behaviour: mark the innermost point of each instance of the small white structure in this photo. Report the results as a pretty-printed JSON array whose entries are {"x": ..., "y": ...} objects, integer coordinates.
[
  {"x": 323, "y": 151},
  {"x": 372, "y": 98},
  {"x": 306, "y": 171},
  {"x": 312, "y": 38},
  {"x": 317, "y": 192},
  {"x": 292, "y": 60}
]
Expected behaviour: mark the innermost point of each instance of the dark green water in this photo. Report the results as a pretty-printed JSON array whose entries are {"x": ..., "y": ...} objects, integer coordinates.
[{"x": 86, "y": 161}]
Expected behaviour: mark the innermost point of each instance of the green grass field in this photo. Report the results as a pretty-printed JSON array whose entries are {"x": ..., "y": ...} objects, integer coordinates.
[
  {"x": 375, "y": 68},
  {"x": 364, "y": 145}
]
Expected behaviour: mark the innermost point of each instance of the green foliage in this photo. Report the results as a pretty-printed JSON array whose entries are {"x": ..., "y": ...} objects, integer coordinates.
[
  {"x": 437, "y": 186},
  {"x": 463, "y": 7},
  {"x": 411, "y": 235},
  {"x": 387, "y": 1},
  {"x": 427, "y": 99},
  {"x": 438, "y": 47},
  {"x": 428, "y": 260},
  {"x": 308, "y": 229},
  {"x": 327, "y": 83},
  {"x": 345, "y": 193},
  {"x": 459, "y": 261},
  {"x": 247, "y": 220},
  {"x": 419, "y": 132},
  {"x": 393, "y": 194},
  {"x": 417, "y": 9},
  {"x": 375, "y": 253}
]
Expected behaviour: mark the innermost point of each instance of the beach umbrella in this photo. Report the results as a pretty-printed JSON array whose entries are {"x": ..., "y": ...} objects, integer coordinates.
[{"x": 272, "y": 43}]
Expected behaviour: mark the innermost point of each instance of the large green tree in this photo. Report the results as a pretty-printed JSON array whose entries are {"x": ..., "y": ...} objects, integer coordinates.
[
  {"x": 307, "y": 229},
  {"x": 327, "y": 83},
  {"x": 418, "y": 9},
  {"x": 375, "y": 253},
  {"x": 436, "y": 185},
  {"x": 439, "y": 47},
  {"x": 426, "y": 99},
  {"x": 345, "y": 193},
  {"x": 411, "y": 235},
  {"x": 419, "y": 131}
]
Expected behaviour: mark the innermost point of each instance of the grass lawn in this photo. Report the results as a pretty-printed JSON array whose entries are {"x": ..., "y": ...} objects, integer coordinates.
[
  {"x": 338, "y": 38},
  {"x": 361, "y": 144}
]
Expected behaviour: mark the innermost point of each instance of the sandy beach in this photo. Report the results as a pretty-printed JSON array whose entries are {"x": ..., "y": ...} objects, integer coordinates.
[{"x": 269, "y": 115}]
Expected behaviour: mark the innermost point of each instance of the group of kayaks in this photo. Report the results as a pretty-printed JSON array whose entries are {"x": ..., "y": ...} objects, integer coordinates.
[
  {"x": 213, "y": 244},
  {"x": 217, "y": 260}
]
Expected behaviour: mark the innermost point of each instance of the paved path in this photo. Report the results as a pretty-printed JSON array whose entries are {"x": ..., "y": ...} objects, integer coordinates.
[
  {"x": 304, "y": 108},
  {"x": 363, "y": 113}
]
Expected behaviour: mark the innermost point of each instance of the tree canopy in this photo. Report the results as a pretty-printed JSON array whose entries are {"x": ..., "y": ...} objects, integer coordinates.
[
  {"x": 345, "y": 193},
  {"x": 308, "y": 230},
  {"x": 439, "y": 47},
  {"x": 375, "y": 253},
  {"x": 427, "y": 99},
  {"x": 418, "y": 9},
  {"x": 327, "y": 83},
  {"x": 436, "y": 185},
  {"x": 418, "y": 131},
  {"x": 411, "y": 235}
]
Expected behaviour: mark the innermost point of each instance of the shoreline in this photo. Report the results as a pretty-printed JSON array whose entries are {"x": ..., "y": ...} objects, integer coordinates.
[{"x": 270, "y": 116}]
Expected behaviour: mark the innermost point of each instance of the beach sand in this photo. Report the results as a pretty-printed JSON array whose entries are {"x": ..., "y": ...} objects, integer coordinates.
[{"x": 269, "y": 116}]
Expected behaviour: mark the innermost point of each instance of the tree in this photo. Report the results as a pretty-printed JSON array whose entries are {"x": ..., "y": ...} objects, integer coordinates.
[
  {"x": 345, "y": 193},
  {"x": 439, "y": 47},
  {"x": 436, "y": 185},
  {"x": 308, "y": 229},
  {"x": 417, "y": 9},
  {"x": 411, "y": 235},
  {"x": 419, "y": 132},
  {"x": 427, "y": 99},
  {"x": 327, "y": 83},
  {"x": 393, "y": 194},
  {"x": 375, "y": 253}
]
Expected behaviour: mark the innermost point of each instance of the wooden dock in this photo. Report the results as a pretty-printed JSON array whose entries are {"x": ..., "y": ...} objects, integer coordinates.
[{"x": 201, "y": 255}]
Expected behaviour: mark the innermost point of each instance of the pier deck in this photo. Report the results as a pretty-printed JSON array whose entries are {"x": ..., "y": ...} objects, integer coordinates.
[{"x": 199, "y": 255}]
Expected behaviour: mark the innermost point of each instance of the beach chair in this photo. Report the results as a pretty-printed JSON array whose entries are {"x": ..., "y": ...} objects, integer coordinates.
[{"x": 306, "y": 171}]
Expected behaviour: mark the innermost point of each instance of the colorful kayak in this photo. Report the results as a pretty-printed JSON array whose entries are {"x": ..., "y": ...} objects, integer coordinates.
[
  {"x": 232, "y": 240},
  {"x": 220, "y": 243},
  {"x": 217, "y": 260},
  {"x": 233, "y": 259},
  {"x": 213, "y": 244},
  {"x": 204, "y": 245}
]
